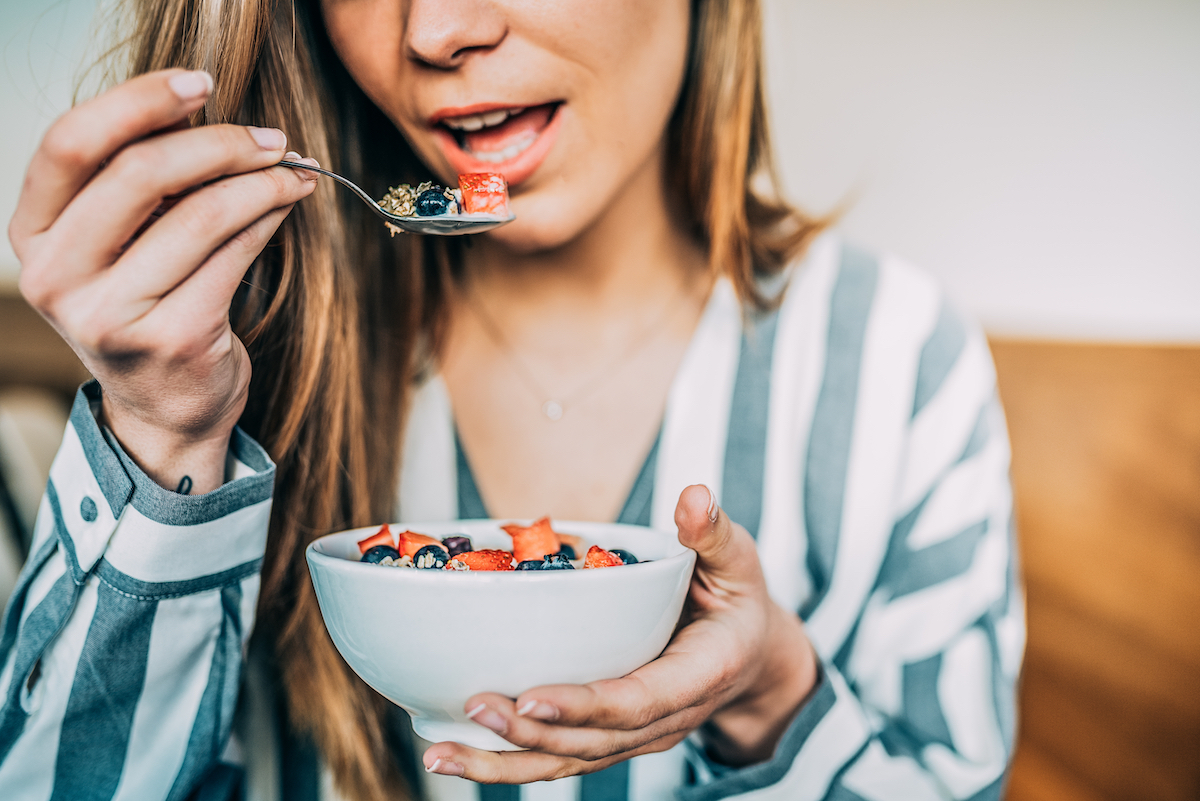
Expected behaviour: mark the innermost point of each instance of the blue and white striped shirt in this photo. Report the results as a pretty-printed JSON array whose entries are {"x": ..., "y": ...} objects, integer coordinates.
[{"x": 855, "y": 432}]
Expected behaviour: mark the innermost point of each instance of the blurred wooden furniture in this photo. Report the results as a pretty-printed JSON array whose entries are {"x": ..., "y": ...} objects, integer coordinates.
[
  {"x": 1106, "y": 464},
  {"x": 30, "y": 350}
]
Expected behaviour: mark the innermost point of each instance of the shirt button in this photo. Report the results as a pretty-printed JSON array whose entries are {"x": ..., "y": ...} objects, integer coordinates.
[{"x": 87, "y": 509}]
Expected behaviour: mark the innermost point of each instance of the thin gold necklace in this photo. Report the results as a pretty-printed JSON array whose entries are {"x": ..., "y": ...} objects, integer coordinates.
[{"x": 555, "y": 405}]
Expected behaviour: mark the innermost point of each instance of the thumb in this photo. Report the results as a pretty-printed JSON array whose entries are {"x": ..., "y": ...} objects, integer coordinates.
[{"x": 723, "y": 547}]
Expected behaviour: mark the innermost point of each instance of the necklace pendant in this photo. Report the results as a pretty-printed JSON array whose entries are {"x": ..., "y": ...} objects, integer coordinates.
[{"x": 553, "y": 410}]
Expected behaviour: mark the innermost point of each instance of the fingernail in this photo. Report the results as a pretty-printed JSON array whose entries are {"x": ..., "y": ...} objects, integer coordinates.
[
  {"x": 489, "y": 718},
  {"x": 292, "y": 155},
  {"x": 713, "y": 510},
  {"x": 308, "y": 175},
  {"x": 268, "y": 138},
  {"x": 539, "y": 710},
  {"x": 445, "y": 767},
  {"x": 191, "y": 85}
]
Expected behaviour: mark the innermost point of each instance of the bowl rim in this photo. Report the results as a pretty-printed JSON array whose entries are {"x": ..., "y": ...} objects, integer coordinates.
[{"x": 666, "y": 563}]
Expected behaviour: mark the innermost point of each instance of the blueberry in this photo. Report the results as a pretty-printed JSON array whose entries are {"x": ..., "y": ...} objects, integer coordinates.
[
  {"x": 624, "y": 556},
  {"x": 432, "y": 202},
  {"x": 567, "y": 551},
  {"x": 457, "y": 544},
  {"x": 556, "y": 561},
  {"x": 431, "y": 557},
  {"x": 529, "y": 564},
  {"x": 378, "y": 553}
]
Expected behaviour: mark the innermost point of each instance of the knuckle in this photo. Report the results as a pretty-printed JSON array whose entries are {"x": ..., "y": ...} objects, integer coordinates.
[
  {"x": 35, "y": 288},
  {"x": 139, "y": 165},
  {"x": 280, "y": 184},
  {"x": 66, "y": 145},
  {"x": 230, "y": 143},
  {"x": 96, "y": 335},
  {"x": 16, "y": 237},
  {"x": 247, "y": 239},
  {"x": 203, "y": 215}
]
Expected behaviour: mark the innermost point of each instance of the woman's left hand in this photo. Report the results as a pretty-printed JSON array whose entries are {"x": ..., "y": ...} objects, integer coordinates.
[{"x": 740, "y": 667}]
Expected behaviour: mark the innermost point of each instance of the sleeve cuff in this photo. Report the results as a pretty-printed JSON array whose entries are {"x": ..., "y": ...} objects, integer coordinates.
[
  {"x": 145, "y": 540},
  {"x": 829, "y": 731}
]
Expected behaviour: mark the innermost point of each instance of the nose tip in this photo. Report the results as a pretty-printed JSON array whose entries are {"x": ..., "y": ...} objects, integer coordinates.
[{"x": 444, "y": 33}]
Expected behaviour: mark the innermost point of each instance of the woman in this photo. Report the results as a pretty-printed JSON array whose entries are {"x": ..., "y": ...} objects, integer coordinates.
[{"x": 655, "y": 319}]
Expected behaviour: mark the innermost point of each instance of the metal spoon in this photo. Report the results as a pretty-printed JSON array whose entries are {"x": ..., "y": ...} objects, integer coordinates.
[{"x": 442, "y": 225}]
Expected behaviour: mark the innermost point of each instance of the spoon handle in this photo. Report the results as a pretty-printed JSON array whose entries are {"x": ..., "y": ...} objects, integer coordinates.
[{"x": 355, "y": 188}]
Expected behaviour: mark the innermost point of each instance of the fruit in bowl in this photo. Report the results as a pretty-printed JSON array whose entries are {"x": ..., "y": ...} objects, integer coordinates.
[{"x": 429, "y": 639}]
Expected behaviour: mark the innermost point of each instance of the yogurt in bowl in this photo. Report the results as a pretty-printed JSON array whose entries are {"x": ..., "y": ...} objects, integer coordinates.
[{"x": 428, "y": 640}]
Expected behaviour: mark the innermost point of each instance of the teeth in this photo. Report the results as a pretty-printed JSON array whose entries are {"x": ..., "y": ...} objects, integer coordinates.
[
  {"x": 476, "y": 122},
  {"x": 466, "y": 123},
  {"x": 495, "y": 118},
  {"x": 510, "y": 152}
]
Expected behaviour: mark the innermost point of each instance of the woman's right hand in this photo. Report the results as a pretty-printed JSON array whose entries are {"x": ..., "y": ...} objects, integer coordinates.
[{"x": 146, "y": 307}]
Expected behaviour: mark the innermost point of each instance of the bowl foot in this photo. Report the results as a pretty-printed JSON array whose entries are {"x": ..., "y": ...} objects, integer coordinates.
[{"x": 470, "y": 734}]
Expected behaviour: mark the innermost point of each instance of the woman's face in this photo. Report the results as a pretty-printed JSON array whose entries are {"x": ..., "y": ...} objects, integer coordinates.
[{"x": 568, "y": 99}]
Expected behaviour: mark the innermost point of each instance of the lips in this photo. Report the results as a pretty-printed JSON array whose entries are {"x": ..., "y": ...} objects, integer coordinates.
[{"x": 512, "y": 141}]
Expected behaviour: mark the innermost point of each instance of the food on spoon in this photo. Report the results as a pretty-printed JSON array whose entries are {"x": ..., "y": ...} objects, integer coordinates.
[
  {"x": 400, "y": 200},
  {"x": 478, "y": 193},
  {"x": 484, "y": 193},
  {"x": 433, "y": 200}
]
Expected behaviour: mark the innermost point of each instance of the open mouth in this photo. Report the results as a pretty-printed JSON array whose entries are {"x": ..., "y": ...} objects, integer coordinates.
[
  {"x": 512, "y": 141},
  {"x": 498, "y": 136}
]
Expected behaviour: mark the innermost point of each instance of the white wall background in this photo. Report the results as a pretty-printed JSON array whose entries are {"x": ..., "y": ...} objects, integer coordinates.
[{"x": 1042, "y": 157}]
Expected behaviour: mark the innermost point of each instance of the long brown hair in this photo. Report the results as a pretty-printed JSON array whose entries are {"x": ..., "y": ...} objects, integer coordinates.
[{"x": 337, "y": 316}]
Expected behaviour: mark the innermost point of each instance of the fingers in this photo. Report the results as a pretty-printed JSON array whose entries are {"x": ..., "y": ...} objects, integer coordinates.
[
  {"x": 232, "y": 219},
  {"x": 98, "y": 224},
  {"x": 523, "y": 767},
  {"x": 84, "y": 137},
  {"x": 724, "y": 549},
  {"x": 203, "y": 298},
  {"x": 588, "y": 743}
]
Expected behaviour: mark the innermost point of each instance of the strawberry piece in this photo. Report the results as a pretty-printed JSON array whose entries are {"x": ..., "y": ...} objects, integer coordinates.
[
  {"x": 411, "y": 542},
  {"x": 381, "y": 537},
  {"x": 487, "y": 559},
  {"x": 598, "y": 557},
  {"x": 534, "y": 541},
  {"x": 484, "y": 193}
]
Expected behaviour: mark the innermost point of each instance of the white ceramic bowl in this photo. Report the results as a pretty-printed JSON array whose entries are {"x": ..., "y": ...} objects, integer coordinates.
[{"x": 430, "y": 639}]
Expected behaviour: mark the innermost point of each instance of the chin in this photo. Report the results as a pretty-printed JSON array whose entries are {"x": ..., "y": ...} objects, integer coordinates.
[{"x": 543, "y": 224}]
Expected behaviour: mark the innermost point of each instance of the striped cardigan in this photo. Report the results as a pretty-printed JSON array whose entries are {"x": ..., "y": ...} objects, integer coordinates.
[{"x": 855, "y": 432}]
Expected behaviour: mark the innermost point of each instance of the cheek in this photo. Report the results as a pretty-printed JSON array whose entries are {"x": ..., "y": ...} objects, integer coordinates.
[
  {"x": 631, "y": 67},
  {"x": 367, "y": 36}
]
